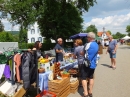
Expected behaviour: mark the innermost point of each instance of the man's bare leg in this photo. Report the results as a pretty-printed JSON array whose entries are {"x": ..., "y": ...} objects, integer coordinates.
[
  {"x": 84, "y": 83},
  {"x": 114, "y": 62},
  {"x": 91, "y": 83}
]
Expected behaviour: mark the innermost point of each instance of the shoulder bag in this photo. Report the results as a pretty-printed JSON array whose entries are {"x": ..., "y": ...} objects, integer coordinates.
[{"x": 86, "y": 60}]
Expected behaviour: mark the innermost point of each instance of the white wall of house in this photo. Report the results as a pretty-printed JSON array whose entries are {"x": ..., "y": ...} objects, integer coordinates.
[
  {"x": 104, "y": 36},
  {"x": 34, "y": 34}
]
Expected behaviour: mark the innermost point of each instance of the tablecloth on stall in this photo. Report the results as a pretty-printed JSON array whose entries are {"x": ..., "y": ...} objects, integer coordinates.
[
  {"x": 43, "y": 77},
  {"x": 43, "y": 80},
  {"x": 69, "y": 65}
]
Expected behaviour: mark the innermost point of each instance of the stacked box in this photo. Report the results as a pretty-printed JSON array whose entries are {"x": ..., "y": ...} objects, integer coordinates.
[
  {"x": 60, "y": 87},
  {"x": 74, "y": 86}
]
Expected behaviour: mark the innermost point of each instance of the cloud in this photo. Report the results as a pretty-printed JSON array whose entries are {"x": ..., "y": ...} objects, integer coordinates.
[
  {"x": 115, "y": 23},
  {"x": 8, "y": 26},
  {"x": 114, "y": 15},
  {"x": 108, "y": 7}
]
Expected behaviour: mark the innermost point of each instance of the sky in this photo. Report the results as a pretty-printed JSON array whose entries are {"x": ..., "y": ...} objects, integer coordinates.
[{"x": 114, "y": 15}]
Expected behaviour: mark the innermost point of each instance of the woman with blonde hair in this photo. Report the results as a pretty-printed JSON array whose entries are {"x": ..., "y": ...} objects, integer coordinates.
[{"x": 77, "y": 53}]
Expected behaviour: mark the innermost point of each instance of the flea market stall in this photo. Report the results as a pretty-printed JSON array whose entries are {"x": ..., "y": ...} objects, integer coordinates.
[
  {"x": 23, "y": 69},
  {"x": 19, "y": 68},
  {"x": 58, "y": 79}
]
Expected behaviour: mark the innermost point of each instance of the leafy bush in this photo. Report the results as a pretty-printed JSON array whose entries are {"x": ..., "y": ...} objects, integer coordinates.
[{"x": 45, "y": 46}]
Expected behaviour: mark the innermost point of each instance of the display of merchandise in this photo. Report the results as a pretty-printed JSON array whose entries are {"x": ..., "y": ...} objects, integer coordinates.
[
  {"x": 44, "y": 64},
  {"x": 73, "y": 71},
  {"x": 72, "y": 79},
  {"x": 56, "y": 70},
  {"x": 51, "y": 76}
]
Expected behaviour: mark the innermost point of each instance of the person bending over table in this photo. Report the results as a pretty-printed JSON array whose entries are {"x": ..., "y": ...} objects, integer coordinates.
[{"x": 59, "y": 50}]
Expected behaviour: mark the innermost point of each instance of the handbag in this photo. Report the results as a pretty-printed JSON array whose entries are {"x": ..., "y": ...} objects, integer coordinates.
[{"x": 87, "y": 62}]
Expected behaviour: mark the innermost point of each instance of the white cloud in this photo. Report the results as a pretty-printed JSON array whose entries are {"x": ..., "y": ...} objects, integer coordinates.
[
  {"x": 8, "y": 26},
  {"x": 115, "y": 23}
]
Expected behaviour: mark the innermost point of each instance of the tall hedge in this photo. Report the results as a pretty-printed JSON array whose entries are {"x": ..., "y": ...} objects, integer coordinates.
[{"x": 45, "y": 46}]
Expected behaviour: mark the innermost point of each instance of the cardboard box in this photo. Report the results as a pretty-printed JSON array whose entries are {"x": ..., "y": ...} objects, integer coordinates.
[{"x": 20, "y": 93}]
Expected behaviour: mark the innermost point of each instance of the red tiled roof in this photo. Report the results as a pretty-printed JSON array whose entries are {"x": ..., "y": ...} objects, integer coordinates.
[{"x": 100, "y": 34}]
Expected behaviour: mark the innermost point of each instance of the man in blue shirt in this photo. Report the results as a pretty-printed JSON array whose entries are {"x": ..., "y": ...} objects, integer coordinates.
[
  {"x": 112, "y": 48},
  {"x": 87, "y": 72}
]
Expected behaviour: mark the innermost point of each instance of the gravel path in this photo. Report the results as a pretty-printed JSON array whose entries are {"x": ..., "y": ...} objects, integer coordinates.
[{"x": 109, "y": 82}]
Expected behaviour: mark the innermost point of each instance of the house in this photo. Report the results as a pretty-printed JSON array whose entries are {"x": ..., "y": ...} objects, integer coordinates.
[
  {"x": 104, "y": 35},
  {"x": 33, "y": 34}
]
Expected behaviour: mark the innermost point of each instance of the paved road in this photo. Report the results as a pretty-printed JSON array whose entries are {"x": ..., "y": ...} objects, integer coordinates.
[{"x": 109, "y": 82}]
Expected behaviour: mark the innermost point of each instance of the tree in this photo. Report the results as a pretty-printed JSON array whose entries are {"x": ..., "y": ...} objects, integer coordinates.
[
  {"x": 109, "y": 32},
  {"x": 16, "y": 38},
  {"x": 21, "y": 12},
  {"x": 128, "y": 34},
  {"x": 6, "y": 37},
  {"x": 22, "y": 34},
  {"x": 118, "y": 35},
  {"x": 91, "y": 28},
  {"x": 63, "y": 22},
  {"x": 1, "y": 26},
  {"x": 128, "y": 30},
  {"x": 59, "y": 20}
]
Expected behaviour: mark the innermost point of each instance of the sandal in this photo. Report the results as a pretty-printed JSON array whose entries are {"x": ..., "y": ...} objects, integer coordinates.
[
  {"x": 114, "y": 68},
  {"x": 90, "y": 95},
  {"x": 85, "y": 95}
]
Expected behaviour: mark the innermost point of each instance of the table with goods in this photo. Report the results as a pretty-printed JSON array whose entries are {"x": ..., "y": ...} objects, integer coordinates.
[{"x": 58, "y": 79}]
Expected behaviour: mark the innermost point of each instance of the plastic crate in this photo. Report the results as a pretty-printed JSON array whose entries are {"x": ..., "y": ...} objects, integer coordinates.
[{"x": 46, "y": 94}]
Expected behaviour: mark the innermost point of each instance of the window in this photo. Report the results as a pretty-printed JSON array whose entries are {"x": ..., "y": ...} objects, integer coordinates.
[
  {"x": 40, "y": 39},
  {"x": 32, "y": 31},
  {"x": 32, "y": 40}
]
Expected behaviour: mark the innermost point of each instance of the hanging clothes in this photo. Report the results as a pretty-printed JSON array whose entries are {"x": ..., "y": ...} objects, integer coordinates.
[
  {"x": 7, "y": 71},
  {"x": 2, "y": 67},
  {"x": 28, "y": 69},
  {"x": 17, "y": 60},
  {"x": 12, "y": 67}
]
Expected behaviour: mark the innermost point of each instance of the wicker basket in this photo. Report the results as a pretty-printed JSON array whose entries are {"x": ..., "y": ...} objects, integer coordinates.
[{"x": 41, "y": 70}]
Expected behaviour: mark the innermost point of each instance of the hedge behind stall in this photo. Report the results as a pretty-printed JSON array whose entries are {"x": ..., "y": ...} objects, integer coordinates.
[{"x": 45, "y": 46}]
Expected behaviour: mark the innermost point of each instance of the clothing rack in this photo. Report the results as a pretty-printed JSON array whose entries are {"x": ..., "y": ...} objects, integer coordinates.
[
  {"x": 37, "y": 78},
  {"x": 12, "y": 79},
  {"x": 36, "y": 62}
]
